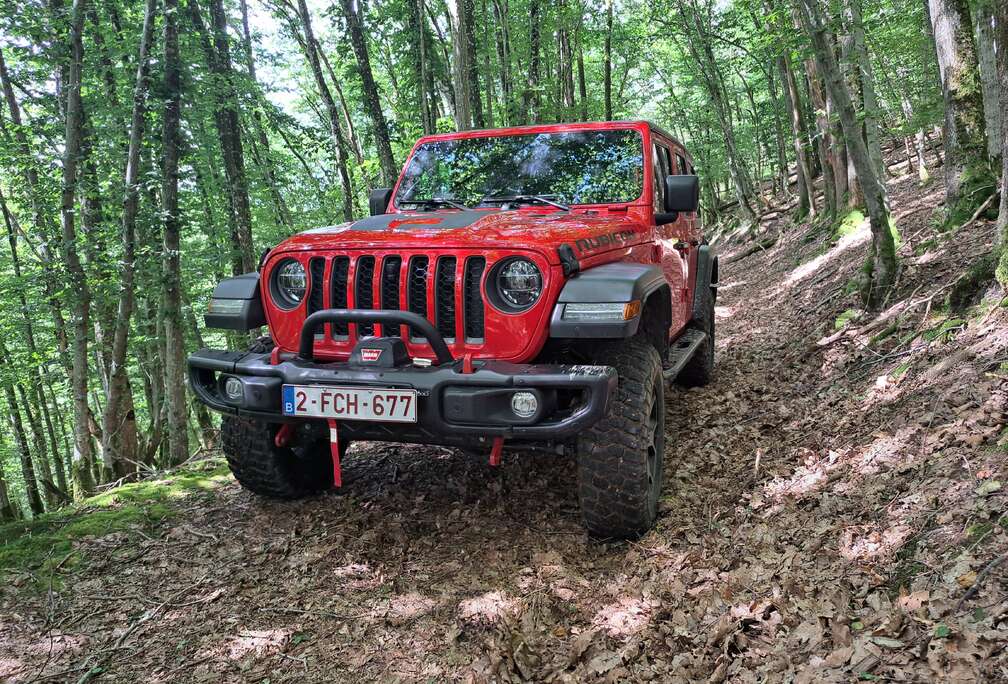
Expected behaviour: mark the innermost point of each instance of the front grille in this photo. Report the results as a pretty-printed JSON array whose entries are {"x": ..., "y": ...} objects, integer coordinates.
[
  {"x": 316, "y": 272},
  {"x": 435, "y": 291},
  {"x": 445, "y": 291},
  {"x": 473, "y": 297},
  {"x": 338, "y": 292},
  {"x": 416, "y": 290},
  {"x": 390, "y": 290},
  {"x": 364, "y": 290}
]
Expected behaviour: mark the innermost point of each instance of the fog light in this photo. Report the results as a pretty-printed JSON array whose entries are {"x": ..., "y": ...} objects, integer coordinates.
[
  {"x": 524, "y": 404},
  {"x": 233, "y": 388}
]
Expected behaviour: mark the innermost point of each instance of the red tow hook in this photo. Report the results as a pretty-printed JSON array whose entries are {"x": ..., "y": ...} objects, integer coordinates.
[
  {"x": 495, "y": 451},
  {"x": 337, "y": 474},
  {"x": 275, "y": 356},
  {"x": 283, "y": 435},
  {"x": 467, "y": 364}
]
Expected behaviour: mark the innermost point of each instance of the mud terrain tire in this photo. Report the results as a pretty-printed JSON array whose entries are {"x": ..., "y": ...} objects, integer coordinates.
[
  {"x": 263, "y": 468},
  {"x": 699, "y": 370},
  {"x": 621, "y": 458},
  {"x": 290, "y": 472}
]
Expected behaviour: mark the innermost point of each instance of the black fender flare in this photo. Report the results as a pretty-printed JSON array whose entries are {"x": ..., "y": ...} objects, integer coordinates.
[
  {"x": 236, "y": 304},
  {"x": 619, "y": 283},
  {"x": 706, "y": 273}
]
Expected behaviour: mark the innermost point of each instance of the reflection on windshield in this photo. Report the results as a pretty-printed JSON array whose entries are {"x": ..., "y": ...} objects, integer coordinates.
[{"x": 578, "y": 167}]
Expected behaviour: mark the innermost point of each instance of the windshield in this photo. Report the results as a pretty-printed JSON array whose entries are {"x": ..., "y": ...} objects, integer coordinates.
[{"x": 577, "y": 167}]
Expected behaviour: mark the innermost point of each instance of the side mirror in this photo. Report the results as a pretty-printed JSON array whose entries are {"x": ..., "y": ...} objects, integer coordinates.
[
  {"x": 378, "y": 200},
  {"x": 682, "y": 193}
]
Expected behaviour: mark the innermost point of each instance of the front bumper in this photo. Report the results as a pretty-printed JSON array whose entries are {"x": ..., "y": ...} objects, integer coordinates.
[{"x": 454, "y": 407}]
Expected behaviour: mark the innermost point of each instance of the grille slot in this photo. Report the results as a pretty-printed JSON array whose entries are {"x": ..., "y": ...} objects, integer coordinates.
[
  {"x": 390, "y": 290},
  {"x": 444, "y": 291},
  {"x": 316, "y": 273},
  {"x": 338, "y": 292},
  {"x": 473, "y": 310},
  {"x": 416, "y": 288},
  {"x": 364, "y": 291}
]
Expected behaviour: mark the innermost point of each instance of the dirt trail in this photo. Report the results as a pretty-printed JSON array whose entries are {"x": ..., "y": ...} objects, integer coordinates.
[{"x": 832, "y": 505}]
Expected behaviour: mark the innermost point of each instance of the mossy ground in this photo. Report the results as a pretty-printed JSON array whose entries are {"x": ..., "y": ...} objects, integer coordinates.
[{"x": 38, "y": 545}]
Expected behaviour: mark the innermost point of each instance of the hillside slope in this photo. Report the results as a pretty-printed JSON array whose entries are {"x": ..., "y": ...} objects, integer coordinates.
[{"x": 836, "y": 512}]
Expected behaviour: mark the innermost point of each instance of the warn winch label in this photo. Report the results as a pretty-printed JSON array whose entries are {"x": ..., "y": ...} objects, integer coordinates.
[
  {"x": 620, "y": 237},
  {"x": 370, "y": 355}
]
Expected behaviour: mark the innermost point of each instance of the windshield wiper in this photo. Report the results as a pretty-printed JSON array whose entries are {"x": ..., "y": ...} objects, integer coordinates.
[
  {"x": 524, "y": 199},
  {"x": 435, "y": 202}
]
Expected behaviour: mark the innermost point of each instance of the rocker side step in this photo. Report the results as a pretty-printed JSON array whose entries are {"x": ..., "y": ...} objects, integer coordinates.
[{"x": 682, "y": 351}]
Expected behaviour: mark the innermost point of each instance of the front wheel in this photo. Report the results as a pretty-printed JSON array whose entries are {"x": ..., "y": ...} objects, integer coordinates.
[
  {"x": 302, "y": 468},
  {"x": 621, "y": 458}
]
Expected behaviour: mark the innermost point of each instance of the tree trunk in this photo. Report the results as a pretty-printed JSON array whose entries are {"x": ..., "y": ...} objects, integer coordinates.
[
  {"x": 994, "y": 106},
  {"x": 582, "y": 83},
  {"x": 1001, "y": 19},
  {"x": 421, "y": 66},
  {"x": 24, "y": 454},
  {"x": 468, "y": 16},
  {"x": 868, "y": 90},
  {"x": 967, "y": 171},
  {"x": 607, "y": 73},
  {"x": 282, "y": 211},
  {"x": 121, "y": 446},
  {"x": 533, "y": 101},
  {"x": 806, "y": 188},
  {"x": 231, "y": 140},
  {"x": 178, "y": 434},
  {"x": 372, "y": 99},
  {"x": 311, "y": 50},
  {"x": 8, "y": 511},
  {"x": 880, "y": 270},
  {"x": 84, "y": 453}
]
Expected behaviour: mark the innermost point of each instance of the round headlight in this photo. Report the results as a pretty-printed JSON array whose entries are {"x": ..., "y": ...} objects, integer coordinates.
[
  {"x": 519, "y": 283},
  {"x": 290, "y": 282}
]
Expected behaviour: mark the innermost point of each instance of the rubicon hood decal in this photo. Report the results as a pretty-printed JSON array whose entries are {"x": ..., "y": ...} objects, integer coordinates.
[{"x": 604, "y": 241}]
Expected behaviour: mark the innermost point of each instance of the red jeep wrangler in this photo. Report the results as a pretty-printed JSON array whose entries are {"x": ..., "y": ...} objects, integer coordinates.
[{"x": 530, "y": 287}]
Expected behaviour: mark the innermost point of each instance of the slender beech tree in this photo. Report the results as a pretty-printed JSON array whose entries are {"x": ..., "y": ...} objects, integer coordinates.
[
  {"x": 1001, "y": 21},
  {"x": 372, "y": 100},
  {"x": 880, "y": 269},
  {"x": 178, "y": 433},
  {"x": 120, "y": 450},
  {"x": 967, "y": 169},
  {"x": 985, "y": 27},
  {"x": 7, "y": 509},
  {"x": 83, "y": 461},
  {"x": 311, "y": 50}
]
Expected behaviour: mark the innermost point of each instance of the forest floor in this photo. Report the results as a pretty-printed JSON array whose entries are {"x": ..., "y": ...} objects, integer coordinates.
[{"x": 837, "y": 512}]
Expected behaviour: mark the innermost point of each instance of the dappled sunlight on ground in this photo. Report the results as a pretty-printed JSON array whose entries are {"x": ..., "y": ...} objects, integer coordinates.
[
  {"x": 868, "y": 542},
  {"x": 857, "y": 238},
  {"x": 624, "y": 618},
  {"x": 255, "y": 642},
  {"x": 488, "y": 607}
]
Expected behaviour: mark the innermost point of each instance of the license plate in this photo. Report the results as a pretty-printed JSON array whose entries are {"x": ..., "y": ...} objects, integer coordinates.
[{"x": 350, "y": 403}]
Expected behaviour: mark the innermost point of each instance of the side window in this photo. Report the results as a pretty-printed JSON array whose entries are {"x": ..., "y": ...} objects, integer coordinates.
[
  {"x": 659, "y": 175},
  {"x": 682, "y": 164}
]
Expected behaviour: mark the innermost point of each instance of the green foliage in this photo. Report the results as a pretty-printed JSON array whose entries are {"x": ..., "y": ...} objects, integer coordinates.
[
  {"x": 40, "y": 544},
  {"x": 846, "y": 317}
]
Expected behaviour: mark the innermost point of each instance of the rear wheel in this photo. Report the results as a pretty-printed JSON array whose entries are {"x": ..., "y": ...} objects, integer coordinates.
[
  {"x": 700, "y": 369},
  {"x": 302, "y": 468},
  {"x": 621, "y": 458}
]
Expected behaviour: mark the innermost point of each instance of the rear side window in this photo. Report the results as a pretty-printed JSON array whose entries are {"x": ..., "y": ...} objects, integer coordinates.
[{"x": 682, "y": 164}]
